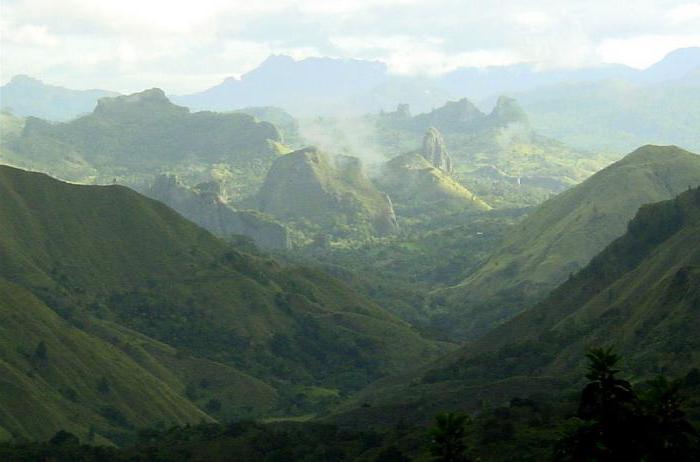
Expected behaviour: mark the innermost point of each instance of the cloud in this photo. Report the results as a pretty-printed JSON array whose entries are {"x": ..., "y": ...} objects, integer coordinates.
[
  {"x": 643, "y": 51},
  {"x": 185, "y": 46}
]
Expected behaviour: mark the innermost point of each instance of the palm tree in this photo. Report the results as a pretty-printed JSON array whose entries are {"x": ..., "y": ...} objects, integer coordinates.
[{"x": 447, "y": 438}]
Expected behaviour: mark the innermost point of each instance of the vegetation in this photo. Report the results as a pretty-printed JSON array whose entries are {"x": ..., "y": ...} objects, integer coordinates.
[
  {"x": 138, "y": 282},
  {"x": 562, "y": 235}
]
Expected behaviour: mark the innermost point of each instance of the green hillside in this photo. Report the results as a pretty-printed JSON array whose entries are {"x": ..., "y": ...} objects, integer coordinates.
[
  {"x": 639, "y": 295},
  {"x": 617, "y": 114},
  {"x": 131, "y": 138},
  {"x": 331, "y": 192},
  {"x": 200, "y": 316},
  {"x": 563, "y": 234},
  {"x": 529, "y": 166}
]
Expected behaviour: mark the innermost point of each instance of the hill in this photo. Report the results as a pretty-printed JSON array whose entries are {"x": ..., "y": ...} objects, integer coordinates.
[
  {"x": 562, "y": 235},
  {"x": 617, "y": 114},
  {"x": 415, "y": 182},
  {"x": 26, "y": 96},
  {"x": 130, "y": 139},
  {"x": 231, "y": 334},
  {"x": 640, "y": 295},
  {"x": 310, "y": 185},
  {"x": 204, "y": 206},
  {"x": 531, "y": 166}
]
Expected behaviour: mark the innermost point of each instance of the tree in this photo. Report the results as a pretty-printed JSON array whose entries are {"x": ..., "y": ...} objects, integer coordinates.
[
  {"x": 618, "y": 425},
  {"x": 41, "y": 351},
  {"x": 607, "y": 407},
  {"x": 447, "y": 438},
  {"x": 668, "y": 434}
]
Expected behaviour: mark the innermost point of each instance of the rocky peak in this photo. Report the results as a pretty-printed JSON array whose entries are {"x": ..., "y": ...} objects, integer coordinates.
[
  {"x": 507, "y": 110},
  {"x": 435, "y": 151},
  {"x": 152, "y": 100},
  {"x": 203, "y": 205}
]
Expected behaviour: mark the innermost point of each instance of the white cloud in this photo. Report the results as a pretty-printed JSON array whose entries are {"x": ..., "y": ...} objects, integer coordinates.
[
  {"x": 185, "y": 46},
  {"x": 643, "y": 51},
  {"x": 686, "y": 13}
]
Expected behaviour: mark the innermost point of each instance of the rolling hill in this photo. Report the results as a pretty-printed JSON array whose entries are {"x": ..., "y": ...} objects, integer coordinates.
[
  {"x": 102, "y": 274},
  {"x": 562, "y": 235},
  {"x": 639, "y": 295}
]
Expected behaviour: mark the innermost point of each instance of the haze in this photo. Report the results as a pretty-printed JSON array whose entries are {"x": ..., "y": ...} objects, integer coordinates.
[{"x": 185, "y": 46}]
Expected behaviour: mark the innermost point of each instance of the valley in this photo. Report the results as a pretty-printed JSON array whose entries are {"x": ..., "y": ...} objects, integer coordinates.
[{"x": 322, "y": 260}]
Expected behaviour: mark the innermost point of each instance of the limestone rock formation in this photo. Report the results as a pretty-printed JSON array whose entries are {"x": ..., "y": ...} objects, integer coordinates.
[
  {"x": 435, "y": 151},
  {"x": 310, "y": 185},
  {"x": 203, "y": 205},
  {"x": 416, "y": 183}
]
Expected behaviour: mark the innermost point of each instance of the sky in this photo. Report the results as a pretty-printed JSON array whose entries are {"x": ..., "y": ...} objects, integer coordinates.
[{"x": 186, "y": 46}]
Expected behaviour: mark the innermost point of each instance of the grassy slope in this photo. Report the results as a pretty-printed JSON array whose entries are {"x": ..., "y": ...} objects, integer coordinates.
[
  {"x": 129, "y": 270},
  {"x": 61, "y": 390},
  {"x": 564, "y": 233},
  {"x": 617, "y": 115},
  {"x": 640, "y": 295},
  {"x": 412, "y": 181}
]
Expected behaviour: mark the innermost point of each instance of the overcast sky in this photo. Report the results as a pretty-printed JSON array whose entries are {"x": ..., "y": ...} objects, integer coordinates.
[{"x": 184, "y": 46}]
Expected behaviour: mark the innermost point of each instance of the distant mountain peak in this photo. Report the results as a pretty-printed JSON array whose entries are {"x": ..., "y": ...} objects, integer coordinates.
[
  {"x": 153, "y": 98},
  {"x": 24, "y": 79},
  {"x": 507, "y": 110}
]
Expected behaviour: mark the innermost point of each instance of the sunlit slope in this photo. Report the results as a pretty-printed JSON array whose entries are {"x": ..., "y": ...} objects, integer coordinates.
[
  {"x": 564, "y": 233},
  {"x": 121, "y": 266},
  {"x": 79, "y": 382},
  {"x": 640, "y": 295}
]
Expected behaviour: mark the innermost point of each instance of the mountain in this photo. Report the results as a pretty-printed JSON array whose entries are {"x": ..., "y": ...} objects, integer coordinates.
[
  {"x": 562, "y": 235},
  {"x": 676, "y": 65},
  {"x": 461, "y": 116},
  {"x": 132, "y": 138},
  {"x": 285, "y": 123},
  {"x": 532, "y": 166},
  {"x": 145, "y": 317},
  {"x": 617, "y": 114},
  {"x": 26, "y": 96},
  {"x": 203, "y": 205},
  {"x": 639, "y": 295},
  {"x": 416, "y": 182},
  {"x": 310, "y": 185},
  {"x": 293, "y": 85}
]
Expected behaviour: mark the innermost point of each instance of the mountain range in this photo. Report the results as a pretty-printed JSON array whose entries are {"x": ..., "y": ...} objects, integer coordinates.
[
  {"x": 563, "y": 234},
  {"x": 118, "y": 313},
  {"x": 638, "y": 295}
]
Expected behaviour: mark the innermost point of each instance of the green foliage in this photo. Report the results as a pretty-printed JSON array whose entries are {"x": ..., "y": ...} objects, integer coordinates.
[
  {"x": 447, "y": 438},
  {"x": 41, "y": 351},
  {"x": 618, "y": 425},
  {"x": 562, "y": 235},
  {"x": 155, "y": 303}
]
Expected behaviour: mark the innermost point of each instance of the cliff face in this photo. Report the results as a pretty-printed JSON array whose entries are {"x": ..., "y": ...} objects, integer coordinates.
[
  {"x": 203, "y": 206},
  {"x": 421, "y": 179},
  {"x": 308, "y": 184},
  {"x": 435, "y": 151}
]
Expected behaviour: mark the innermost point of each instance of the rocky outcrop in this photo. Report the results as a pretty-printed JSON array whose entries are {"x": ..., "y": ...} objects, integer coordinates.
[
  {"x": 417, "y": 185},
  {"x": 462, "y": 117},
  {"x": 310, "y": 185},
  {"x": 507, "y": 111},
  {"x": 203, "y": 205},
  {"x": 435, "y": 151}
]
